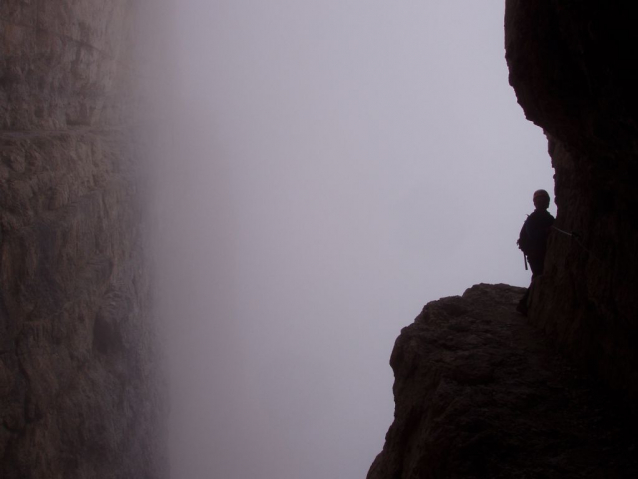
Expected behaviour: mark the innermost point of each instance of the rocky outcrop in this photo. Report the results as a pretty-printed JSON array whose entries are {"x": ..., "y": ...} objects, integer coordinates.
[
  {"x": 572, "y": 65},
  {"x": 481, "y": 393},
  {"x": 78, "y": 369}
]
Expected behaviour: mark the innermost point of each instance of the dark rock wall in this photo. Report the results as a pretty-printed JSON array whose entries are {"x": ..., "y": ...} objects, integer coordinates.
[
  {"x": 78, "y": 366},
  {"x": 572, "y": 65}
]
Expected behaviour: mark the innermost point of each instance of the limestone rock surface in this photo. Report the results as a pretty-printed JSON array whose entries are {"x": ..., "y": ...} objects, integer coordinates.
[
  {"x": 481, "y": 393},
  {"x": 78, "y": 361}
]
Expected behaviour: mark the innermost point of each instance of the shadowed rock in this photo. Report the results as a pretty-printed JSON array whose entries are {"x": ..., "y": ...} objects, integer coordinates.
[
  {"x": 480, "y": 393},
  {"x": 572, "y": 66}
]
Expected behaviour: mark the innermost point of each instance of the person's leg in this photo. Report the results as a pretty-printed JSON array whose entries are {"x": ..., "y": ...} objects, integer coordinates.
[
  {"x": 522, "y": 306},
  {"x": 536, "y": 265}
]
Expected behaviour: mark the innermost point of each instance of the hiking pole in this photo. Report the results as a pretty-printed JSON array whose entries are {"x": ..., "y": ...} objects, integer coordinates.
[{"x": 525, "y": 259}]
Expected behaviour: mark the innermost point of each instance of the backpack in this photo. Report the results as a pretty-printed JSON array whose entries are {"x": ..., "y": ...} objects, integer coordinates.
[{"x": 524, "y": 241}]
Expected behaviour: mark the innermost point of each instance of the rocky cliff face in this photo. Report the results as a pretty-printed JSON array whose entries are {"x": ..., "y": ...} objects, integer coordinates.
[
  {"x": 572, "y": 67},
  {"x": 481, "y": 393},
  {"x": 77, "y": 352}
]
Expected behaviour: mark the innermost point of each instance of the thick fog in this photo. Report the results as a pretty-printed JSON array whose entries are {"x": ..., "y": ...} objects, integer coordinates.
[{"x": 325, "y": 168}]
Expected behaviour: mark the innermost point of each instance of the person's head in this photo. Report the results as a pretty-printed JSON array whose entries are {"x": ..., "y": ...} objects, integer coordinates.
[{"x": 541, "y": 199}]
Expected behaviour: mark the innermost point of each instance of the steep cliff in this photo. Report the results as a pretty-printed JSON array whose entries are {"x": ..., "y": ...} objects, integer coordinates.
[
  {"x": 572, "y": 65},
  {"x": 78, "y": 372},
  {"x": 481, "y": 393}
]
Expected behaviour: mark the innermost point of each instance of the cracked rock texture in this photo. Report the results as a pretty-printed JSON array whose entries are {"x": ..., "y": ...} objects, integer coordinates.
[
  {"x": 481, "y": 393},
  {"x": 572, "y": 65},
  {"x": 78, "y": 362}
]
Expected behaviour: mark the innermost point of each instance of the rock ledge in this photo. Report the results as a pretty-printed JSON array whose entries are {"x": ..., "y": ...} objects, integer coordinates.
[{"x": 479, "y": 392}]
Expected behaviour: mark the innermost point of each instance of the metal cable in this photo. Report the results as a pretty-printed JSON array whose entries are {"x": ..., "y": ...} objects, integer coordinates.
[{"x": 576, "y": 237}]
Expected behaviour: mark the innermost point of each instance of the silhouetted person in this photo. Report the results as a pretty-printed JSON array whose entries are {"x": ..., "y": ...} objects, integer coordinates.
[{"x": 533, "y": 239}]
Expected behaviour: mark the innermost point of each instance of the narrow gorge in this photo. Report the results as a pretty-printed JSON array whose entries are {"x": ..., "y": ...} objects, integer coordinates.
[{"x": 480, "y": 391}]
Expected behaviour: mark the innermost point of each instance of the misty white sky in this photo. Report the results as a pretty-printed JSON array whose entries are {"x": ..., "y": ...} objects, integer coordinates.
[{"x": 327, "y": 168}]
